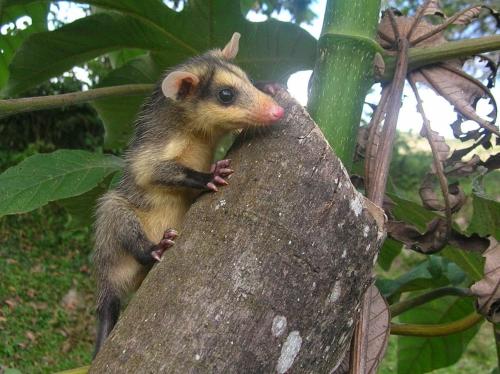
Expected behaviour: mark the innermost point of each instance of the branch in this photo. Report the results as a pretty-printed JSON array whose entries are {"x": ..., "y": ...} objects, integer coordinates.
[
  {"x": 444, "y": 329},
  {"x": 401, "y": 307},
  {"x": 377, "y": 187},
  {"x": 438, "y": 165},
  {"x": 422, "y": 56},
  {"x": 13, "y": 106}
]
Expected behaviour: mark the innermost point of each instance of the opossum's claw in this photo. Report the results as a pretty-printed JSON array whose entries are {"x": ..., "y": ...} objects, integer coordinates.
[
  {"x": 220, "y": 170},
  {"x": 212, "y": 187},
  {"x": 170, "y": 234},
  {"x": 164, "y": 244}
]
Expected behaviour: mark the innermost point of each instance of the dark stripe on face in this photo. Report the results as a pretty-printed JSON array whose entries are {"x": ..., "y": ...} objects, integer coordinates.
[{"x": 206, "y": 83}]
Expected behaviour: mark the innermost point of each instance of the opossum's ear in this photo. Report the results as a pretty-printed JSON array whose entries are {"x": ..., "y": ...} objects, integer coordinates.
[
  {"x": 179, "y": 84},
  {"x": 231, "y": 49}
]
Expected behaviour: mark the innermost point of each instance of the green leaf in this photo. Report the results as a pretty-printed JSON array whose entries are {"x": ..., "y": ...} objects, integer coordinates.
[
  {"x": 42, "y": 178},
  {"x": 420, "y": 355},
  {"x": 434, "y": 272},
  {"x": 47, "y": 54},
  {"x": 82, "y": 207},
  {"x": 486, "y": 217},
  {"x": 10, "y": 42},
  {"x": 268, "y": 50},
  {"x": 470, "y": 262},
  {"x": 411, "y": 212},
  {"x": 389, "y": 251},
  {"x": 119, "y": 113}
]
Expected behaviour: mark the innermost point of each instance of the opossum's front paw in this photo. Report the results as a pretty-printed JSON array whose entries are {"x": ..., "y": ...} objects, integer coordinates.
[
  {"x": 220, "y": 170},
  {"x": 165, "y": 243},
  {"x": 270, "y": 88}
]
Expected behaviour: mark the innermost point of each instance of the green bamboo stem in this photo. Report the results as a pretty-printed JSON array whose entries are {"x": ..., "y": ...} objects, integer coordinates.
[
  {"x": 429, "y": 331},
  {"x": 401, "y": 307},
  {"x": 344, "y": 71},
  {"x": 28, "y": 104},
  {"x": 421, "y": 56}
]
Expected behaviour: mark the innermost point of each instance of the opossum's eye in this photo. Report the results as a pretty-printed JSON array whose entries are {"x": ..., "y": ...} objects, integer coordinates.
[{"x": 226, "y": 96}]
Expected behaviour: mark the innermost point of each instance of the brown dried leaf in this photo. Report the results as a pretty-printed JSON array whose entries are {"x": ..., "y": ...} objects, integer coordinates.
[
  {"x": 430, "y": 200},
  {"x": 464, "y": 168},
  {"x": 434, "y": 8},
  {"x": 404, "y": 25},
  {"x": 468, "y": 15},
  {"x": 446, "y": 79},
  {"x": 375, "y": 320},
  {"x": 431, "y": 241},
  {"x": 443, "y": 149},
  {"x": 459, "y": 89},
  {"x": 488, "y": 289}
]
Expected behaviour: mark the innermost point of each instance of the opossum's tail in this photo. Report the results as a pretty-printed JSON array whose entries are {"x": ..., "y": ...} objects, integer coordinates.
[{"x": 108, "y": 310}]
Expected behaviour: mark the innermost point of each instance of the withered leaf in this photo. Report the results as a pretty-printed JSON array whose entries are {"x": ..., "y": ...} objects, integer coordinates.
[
  {"x": 446, "y": 79},
  {"x": 488, "y": 289},
  {"x": 439, "y": 141},
  {"x": 468, "y": 15},
  {"x": 432, "y": 8},
  {"x": 431, "y": 241},
  {"x": 374, "y": 334},
  {"x": 430, "y": 199},
  {"x": 434, "y": 238}
]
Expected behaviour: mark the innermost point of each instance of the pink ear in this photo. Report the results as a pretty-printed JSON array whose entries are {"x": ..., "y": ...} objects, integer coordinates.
[
  {"x": 173, "y": 82},
  {"x": 231, "y": 49}
]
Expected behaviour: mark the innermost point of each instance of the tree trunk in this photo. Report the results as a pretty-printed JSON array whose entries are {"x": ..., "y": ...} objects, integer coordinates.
[{"x": 268, "y": 274}]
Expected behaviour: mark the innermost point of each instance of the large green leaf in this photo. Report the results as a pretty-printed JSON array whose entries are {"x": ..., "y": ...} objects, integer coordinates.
[
  {"x": 420, "y": 355},
  {"x": 42, "y": 178},
  {"x": 269, "y": 50},
  {"x": 434, "y": 272},
  {"x": 14, "y": 37},
  {"x": 486, "y": 216},
  {"x": 118, "y": 113},
  {"x": 82, "y": 207},
  {"x": 389, "y": 251}
]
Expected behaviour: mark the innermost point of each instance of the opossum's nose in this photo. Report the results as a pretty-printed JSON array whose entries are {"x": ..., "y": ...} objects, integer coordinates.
[{"x": 276, "y": 112}]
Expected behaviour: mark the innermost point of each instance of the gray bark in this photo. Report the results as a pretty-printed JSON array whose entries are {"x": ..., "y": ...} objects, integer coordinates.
[{"x": 268, "y": 274}]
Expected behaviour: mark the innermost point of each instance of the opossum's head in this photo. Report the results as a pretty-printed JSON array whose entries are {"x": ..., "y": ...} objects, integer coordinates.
[{"x": 213, "y": 93}]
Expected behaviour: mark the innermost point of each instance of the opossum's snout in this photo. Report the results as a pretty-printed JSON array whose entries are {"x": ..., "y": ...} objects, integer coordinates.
[
  {"x": 275, "y": 113},
  {"x": 268, "y": 112}
]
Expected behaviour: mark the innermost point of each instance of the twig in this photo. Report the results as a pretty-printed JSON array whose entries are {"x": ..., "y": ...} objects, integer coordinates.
[
  {"x": 441, "y": 27},
  {"x": 417, "y": 20},
  {"x": 401, "y": 307},
  {"x": 27, "y": 104},
  {"x": 438, "y": 165},
  {"x": 394, "y": 25},
  {"x": 372, "y": 145},
  {"x": 444, "y": 329},
  {"x": 377, "y": 188}
]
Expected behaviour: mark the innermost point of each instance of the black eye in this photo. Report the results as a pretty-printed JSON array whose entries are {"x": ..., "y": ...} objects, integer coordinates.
[{"x": 226, "y": 96}]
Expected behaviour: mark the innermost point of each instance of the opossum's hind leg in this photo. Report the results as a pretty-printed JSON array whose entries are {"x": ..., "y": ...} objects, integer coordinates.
[{"x": 108, "y": 311}]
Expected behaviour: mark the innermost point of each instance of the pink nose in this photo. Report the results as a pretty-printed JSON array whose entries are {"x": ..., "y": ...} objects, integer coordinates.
[{"x": 276, "y": 112}]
